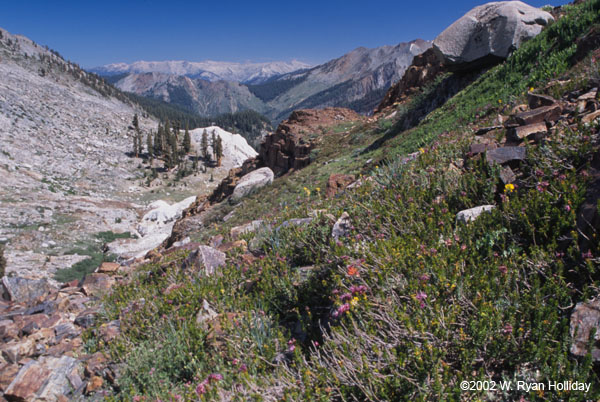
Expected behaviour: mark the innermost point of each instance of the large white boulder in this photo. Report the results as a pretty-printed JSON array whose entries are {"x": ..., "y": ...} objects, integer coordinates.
[
  {"x": 489, "y": 31},
  {"x": 235, "y": 147},
  {"x": 251, "y": 182}
]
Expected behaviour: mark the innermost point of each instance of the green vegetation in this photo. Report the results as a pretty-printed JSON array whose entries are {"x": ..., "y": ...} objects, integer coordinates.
[
  {"x": 248, "y": 123},
  {"x": 411, "y": 302},
  {"x": 2, "y": 261},
  {"x": 269, "y": 90},
  {"x": 95, "y": 254}
]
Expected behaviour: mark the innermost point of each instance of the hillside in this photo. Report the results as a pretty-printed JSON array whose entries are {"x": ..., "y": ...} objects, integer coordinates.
[
  {"x": 69, "y": 180},
  {"x": 379, "y": 292}
]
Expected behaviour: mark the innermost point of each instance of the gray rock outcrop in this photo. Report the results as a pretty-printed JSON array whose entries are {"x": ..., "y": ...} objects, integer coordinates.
[
  {"x": 252, "y": 182},
  {"x": 489, "y": 32}
]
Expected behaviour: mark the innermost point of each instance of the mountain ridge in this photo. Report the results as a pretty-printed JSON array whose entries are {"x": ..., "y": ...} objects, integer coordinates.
[
  {"x": 208, "y": 70},
  {"x": 357, "y": 79}
]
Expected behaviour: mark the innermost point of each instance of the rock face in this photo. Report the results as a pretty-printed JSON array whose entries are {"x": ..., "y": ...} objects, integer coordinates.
[
  {"x": 289, "y": 147},
  {"x": 205, "y": 258},
  {"x": 424, "y": 68},
  {"x": 585, "y": 317},
  {"x": 236, "y": 149},
  {"x": 45, "y": 379},
  {"x": 337, "y": 183},
  {"x": 19, "y": 290},
  {"x": 252, "y": 182},
  {"x": 488, "y": 33}
]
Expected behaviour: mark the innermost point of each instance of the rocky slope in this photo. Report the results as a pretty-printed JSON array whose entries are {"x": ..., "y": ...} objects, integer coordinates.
[
  {"x": 251, "y": 73},
  {"x": 67, "y": 174}
]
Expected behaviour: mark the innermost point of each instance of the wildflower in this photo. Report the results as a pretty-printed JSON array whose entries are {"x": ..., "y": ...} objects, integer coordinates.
[
  {"x": 421, "y": 296},
  {"x": 503, "y": 269},
  {"x": 215, "y": 377},
  {"x": 354, "y": 301},
  {"x": 587, "y": 255},
  {"x": 307, "y": 191},
  {"x": 318, "y": 189},
  {"x": 346, "y": 296},
  {"x": 541, "y": 186},
  {"x": 424, "y": 277},
  {"x": 341, "y": 310},
  {"x": 352, "y": 270},
  {"x": 500, "y": 101},
  {"x": 243, "y": 368},
  {"x": 559, "y": 254},
  {"x": 235, "y": 362},
  {"x": 509, "y": 188},
  {"x": 463, "y": 247},
  {"x": 152, "y": 370},
  {"x": 584, "y": 173},
  {"x": 508, "y": 328},
  {"x": 201, "y": 389},
  {"x": 137, "y": 398},
  {"x": 531, "y": 89},
  {"x": 568, "y": 208}
]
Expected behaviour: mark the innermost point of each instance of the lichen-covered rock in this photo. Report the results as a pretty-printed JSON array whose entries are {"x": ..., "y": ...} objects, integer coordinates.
[
  {"x": 252, "y": 182},
  {"x": 19, "y": 289},
  {"x": 205, "y": 258},
  {"x": 342, "y": 227},
  {"x": 471, "y": 214},
  {"x": 489, "y": 32},
  {"x": 45, "y": 379},
  {"x": 585, "y": 317}
]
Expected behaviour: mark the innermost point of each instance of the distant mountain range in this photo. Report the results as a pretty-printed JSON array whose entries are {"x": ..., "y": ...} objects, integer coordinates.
[
  {"x": 250, "y": 73},
  {"x": 357, "y": 80}
]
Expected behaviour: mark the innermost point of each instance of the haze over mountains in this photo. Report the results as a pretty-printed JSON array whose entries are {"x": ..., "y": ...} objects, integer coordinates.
[
  {"x": 208, "y": 70},
  {"x": 356, "y": 80}
]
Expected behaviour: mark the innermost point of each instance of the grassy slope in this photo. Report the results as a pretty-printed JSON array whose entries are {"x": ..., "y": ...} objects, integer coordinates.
[{"x": 441, "y": 302}]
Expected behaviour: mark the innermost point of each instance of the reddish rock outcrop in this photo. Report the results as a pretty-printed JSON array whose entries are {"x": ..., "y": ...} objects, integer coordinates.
[
  {"x": 424, "y": 68},
  {"x": 289, "y": 147},
  {"x": 337, "y": 183}
]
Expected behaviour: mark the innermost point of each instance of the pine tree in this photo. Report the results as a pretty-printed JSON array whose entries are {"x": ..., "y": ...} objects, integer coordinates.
[
  {"x": 204, "y": 144},
  {"x": 140, "y": 143},
  {"x": 219, "y": 150},
  {"x": 187, "y": 141},
  {"x": 213, "y": 144},
  {"x": 136, "y": 122},
  {"x": 135, "y": 144},
  {"x": 158, "y": 141},
  {"x": 2, "y": 261},
  {"x": 149, "y": 146}
]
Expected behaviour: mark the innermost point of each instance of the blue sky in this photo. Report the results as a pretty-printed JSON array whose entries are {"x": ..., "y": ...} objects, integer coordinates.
[{"x": 93, "y": 33}]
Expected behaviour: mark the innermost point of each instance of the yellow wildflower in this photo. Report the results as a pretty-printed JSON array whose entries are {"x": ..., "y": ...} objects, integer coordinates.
[
  {"x": 307, "y": 191},
  {"x": 509, "y": 188},
  {"x": 421, "y": 150},
  {"x": 354, "y": 301},
  {"x": 531, "y": 89}
]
